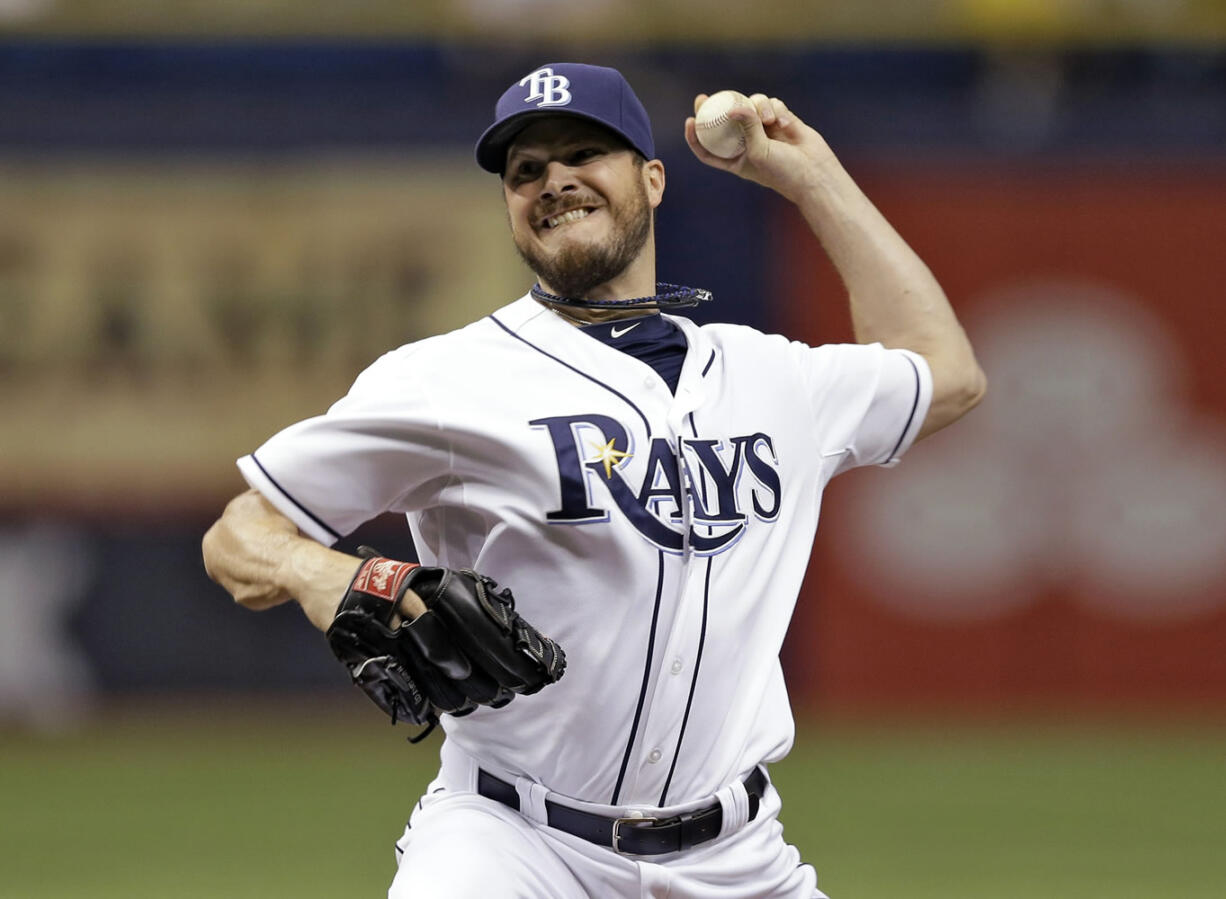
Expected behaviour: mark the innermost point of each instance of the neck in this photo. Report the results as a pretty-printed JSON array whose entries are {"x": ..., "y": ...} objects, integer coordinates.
[
  {"x": 590, "y": 315},
  {"x": 579, "y": 316},
  {"x": 623, "y": 287}
]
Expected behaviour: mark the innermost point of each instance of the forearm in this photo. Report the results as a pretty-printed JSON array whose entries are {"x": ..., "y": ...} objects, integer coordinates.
[
  {"x": 894, "y": 297},
  {"x": 895, "y": 300},
  {"x": 259, "y": 556}
]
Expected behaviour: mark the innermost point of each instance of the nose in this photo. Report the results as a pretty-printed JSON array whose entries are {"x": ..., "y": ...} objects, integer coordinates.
[{"x": 559, "y": 179}]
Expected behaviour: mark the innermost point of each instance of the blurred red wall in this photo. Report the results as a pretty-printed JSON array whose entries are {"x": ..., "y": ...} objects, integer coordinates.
[{"x": 1064, "y": 544}]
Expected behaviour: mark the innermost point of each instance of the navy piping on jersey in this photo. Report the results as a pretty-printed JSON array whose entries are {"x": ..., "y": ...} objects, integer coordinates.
[
  {"x": 638, "y": 712},
  {"x": 655, "y": 614},
  {"x": 914, "y": 406},
  {"x": 702, "y": 639},
  {"x": 305, "y": 511},
  {"x": 685, "y": 719},
  {"x": 612, "y": 390}
]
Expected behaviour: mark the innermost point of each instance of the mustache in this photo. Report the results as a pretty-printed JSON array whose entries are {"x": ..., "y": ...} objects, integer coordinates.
[{"x": 546, "y": 208}]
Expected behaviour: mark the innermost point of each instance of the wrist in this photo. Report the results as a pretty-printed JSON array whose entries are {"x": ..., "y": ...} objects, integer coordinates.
[
  {"x": 823, "y": 181},
  {"x": 318, "y": 578},
  {"x": 807, "y": 170}
]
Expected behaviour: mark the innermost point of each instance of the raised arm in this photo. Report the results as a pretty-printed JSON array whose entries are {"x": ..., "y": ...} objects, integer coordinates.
[
  {"x": 895, "y": 300},
  {"x": 261, "y": 558}
]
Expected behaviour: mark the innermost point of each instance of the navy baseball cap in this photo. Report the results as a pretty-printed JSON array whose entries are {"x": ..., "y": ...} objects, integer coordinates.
[{"x": 595, "y": 93}]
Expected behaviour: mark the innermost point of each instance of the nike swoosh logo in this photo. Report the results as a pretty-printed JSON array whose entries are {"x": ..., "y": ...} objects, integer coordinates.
[{"x": 613, "y": 332}]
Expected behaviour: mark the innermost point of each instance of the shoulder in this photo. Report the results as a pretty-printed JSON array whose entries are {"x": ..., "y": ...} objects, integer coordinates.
[
  {"x": 822, "y": 366},
  {"x": 749, "y": 341},
  {"x": 414, "y": 368},
  {"x": 724, "y": 334},
  {"x": 752, "y": 339},
  {"x": 439, "y": 350}
]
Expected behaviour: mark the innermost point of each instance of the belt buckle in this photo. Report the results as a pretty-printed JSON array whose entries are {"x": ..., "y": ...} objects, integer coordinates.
[{"x": 631, "y": 820}]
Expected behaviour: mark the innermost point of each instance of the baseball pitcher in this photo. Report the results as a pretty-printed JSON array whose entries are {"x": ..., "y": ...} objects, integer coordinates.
[{"x": 613, "y": 508}]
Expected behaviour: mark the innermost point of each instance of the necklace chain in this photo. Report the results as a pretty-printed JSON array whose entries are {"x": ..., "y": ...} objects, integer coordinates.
[{"x": 668, "y": 295}]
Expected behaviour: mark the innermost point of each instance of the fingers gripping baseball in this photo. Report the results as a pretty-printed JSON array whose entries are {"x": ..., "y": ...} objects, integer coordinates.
[{"x": 779, "y": 148}]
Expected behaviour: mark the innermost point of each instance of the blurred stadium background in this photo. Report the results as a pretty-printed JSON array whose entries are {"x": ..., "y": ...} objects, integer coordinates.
[{"x": 1009, "y": 662}]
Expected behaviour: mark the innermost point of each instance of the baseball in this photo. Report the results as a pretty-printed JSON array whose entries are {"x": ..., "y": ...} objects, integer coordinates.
[{"x": 718, "y": 133}]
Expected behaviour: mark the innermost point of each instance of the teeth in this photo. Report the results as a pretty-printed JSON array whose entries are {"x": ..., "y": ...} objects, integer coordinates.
[{"x": 565, "y": 218}]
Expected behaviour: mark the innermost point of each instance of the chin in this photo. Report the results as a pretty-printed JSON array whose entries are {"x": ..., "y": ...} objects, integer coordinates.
[
  {"x": 570, "y": 250},
  {"x": 572, "y": 235}
]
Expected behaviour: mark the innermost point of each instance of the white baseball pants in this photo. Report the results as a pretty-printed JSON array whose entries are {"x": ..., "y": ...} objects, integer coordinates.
[{"x": 460, "y": 845}]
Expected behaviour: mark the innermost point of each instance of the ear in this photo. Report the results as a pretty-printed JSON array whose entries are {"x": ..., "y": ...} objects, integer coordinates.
[{"x": 653, "y": 181}]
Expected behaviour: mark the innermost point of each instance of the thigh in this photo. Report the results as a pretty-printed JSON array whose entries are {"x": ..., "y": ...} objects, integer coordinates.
[
  {"x": 753, "y": 863},
  {"x": 461, "y": 846}
]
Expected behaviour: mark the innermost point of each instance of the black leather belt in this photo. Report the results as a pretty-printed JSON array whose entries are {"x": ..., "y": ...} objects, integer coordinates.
[{"x": 635, "y": 836}]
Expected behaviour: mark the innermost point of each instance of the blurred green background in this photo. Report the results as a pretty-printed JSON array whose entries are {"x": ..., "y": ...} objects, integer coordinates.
[
  {"x": 304, "y": 797},
  {"x": 213, "y": 215}
]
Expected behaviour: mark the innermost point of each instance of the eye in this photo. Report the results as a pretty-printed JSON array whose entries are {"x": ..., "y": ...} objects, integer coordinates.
[
  {"x": 585, "y": 154},
  {"x": 523, "y": 172}
]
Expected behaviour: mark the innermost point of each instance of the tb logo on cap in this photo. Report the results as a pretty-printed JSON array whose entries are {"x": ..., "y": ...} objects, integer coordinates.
[{"x": 550, "y": 89}]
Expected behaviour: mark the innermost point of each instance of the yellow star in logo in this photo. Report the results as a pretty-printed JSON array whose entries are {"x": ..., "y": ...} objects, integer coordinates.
[{"x": 609, "y": 456}]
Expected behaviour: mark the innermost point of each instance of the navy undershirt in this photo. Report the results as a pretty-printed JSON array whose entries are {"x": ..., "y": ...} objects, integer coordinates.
[{"x": 652, "y": 339}]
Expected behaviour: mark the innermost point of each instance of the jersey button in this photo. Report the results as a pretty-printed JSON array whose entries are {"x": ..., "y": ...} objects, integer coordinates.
[
  {"x": 648, "y": 382},
  {"x": 654, "y": 756},
  {"x": 676, "y": 666}
]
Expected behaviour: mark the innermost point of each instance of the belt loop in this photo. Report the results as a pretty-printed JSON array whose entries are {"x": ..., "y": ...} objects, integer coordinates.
[
  {"x": 734, "y": 800},
  {"x": 532, "y": 800}
]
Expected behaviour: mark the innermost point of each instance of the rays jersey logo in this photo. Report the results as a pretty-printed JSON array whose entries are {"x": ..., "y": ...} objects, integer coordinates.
[{"x": 593, "y": 455}]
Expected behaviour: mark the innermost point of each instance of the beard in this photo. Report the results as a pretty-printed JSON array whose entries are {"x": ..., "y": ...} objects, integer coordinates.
[{"x": 576, "y": 268}]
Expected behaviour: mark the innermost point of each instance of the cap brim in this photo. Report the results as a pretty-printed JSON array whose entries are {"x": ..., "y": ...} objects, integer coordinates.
[{"x": 493, "y": 144}]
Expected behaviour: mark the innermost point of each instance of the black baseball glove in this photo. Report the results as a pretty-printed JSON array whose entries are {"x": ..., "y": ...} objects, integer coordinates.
[{"x": 469, "y": 648}]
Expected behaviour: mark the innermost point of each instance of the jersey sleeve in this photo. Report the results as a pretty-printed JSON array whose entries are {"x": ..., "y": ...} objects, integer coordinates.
[
  {"x": 869, "y": 402},
  {"x": 379, "y": 449}
]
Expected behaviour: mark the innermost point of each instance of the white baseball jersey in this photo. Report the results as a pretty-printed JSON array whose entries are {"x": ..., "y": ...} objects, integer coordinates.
[{"x": 661, "y": 539}]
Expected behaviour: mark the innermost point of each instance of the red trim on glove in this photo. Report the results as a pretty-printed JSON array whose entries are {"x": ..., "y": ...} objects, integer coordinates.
[{"x": 382, "y": 577}]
